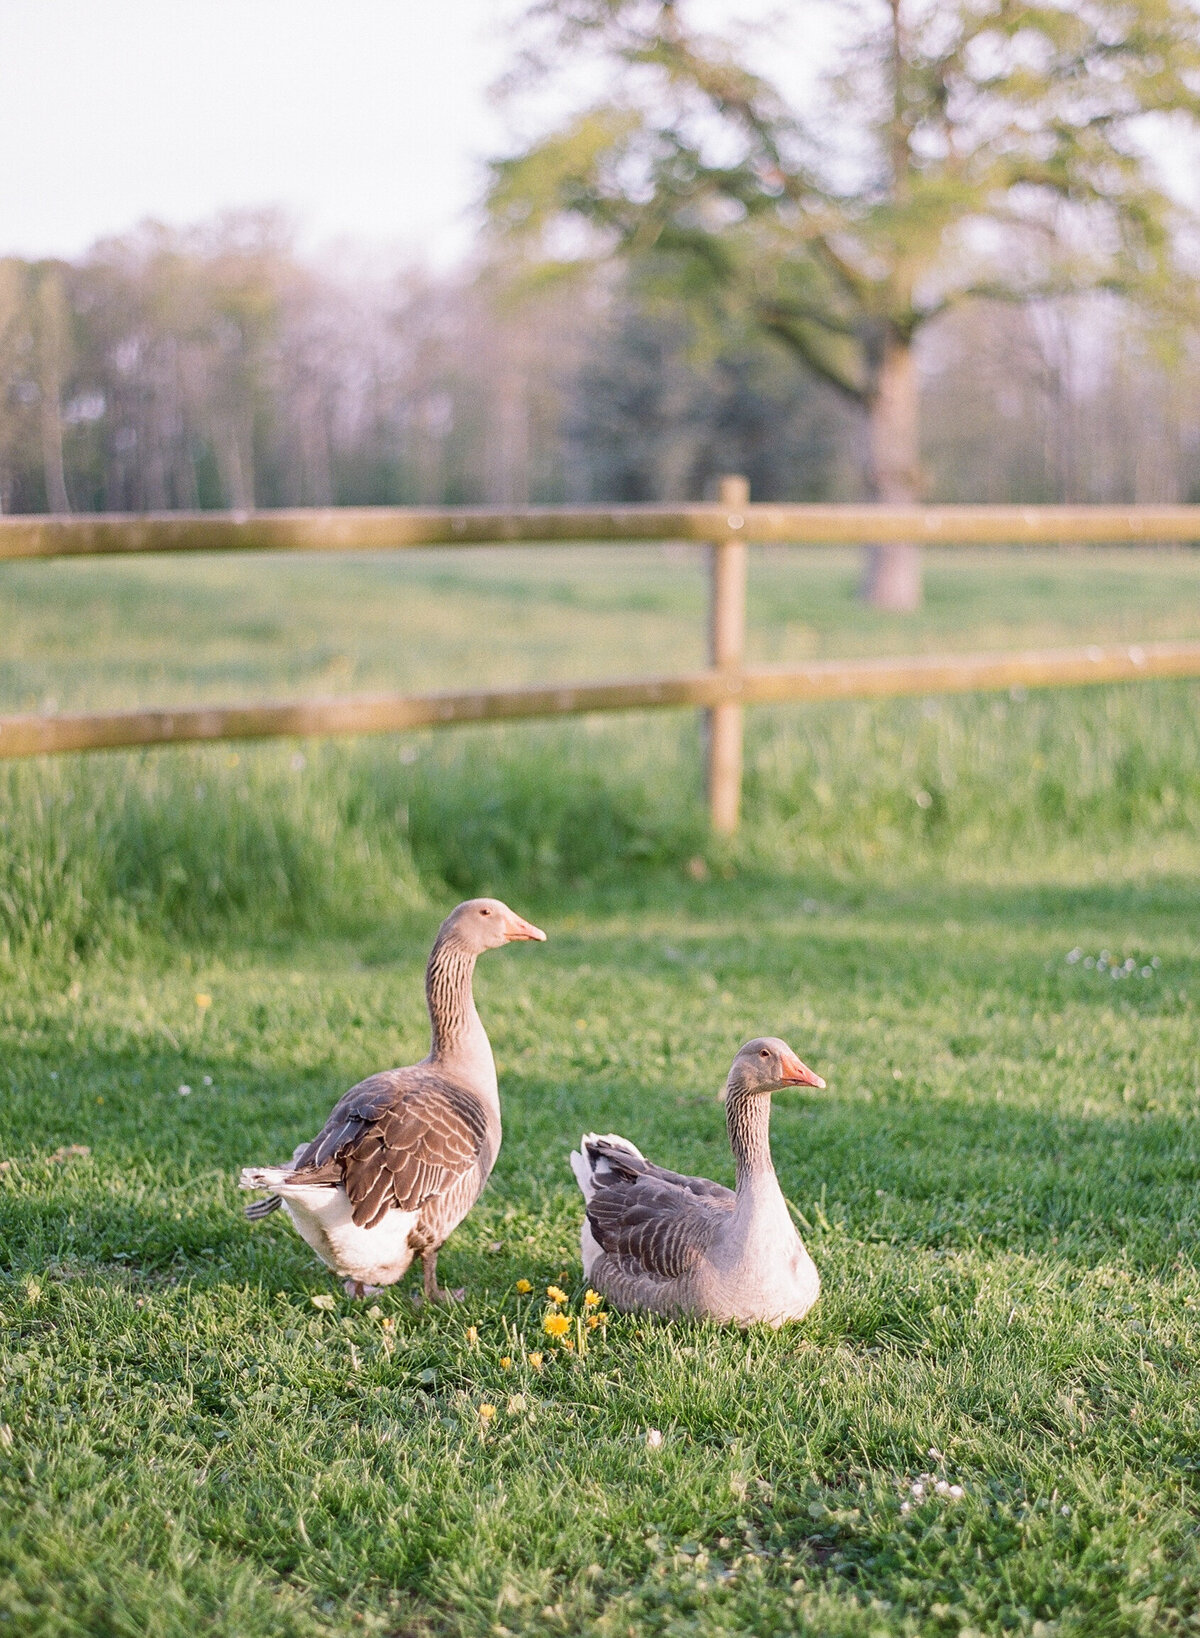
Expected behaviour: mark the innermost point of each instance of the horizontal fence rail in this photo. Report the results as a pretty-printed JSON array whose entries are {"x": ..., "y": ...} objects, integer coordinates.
[
  {"x": 386, "y": 528},
  {"x": 720, "y": 691},
  {"x": 34, "y": 735}
]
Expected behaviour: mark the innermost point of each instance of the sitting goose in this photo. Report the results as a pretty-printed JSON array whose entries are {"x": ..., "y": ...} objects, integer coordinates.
[
  {"x": 681, "y": 1245},
  {"x": 404, "y": 1155}
]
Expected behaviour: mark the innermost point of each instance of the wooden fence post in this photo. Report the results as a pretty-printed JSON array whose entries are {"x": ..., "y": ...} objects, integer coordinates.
[{"x": 727, "y": 653}]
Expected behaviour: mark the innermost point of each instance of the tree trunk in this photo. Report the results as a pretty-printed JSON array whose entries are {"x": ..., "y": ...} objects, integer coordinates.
[
  {"x": 52, "y": 339},
  {"x": 892, "y": 574}
]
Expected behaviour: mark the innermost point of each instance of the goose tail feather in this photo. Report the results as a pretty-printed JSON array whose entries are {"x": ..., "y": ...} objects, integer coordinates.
[
  {"x": 592, "y": 1165},
  {"x": 258, "y": 1209},
  {"x": 266, "y": 1178}
]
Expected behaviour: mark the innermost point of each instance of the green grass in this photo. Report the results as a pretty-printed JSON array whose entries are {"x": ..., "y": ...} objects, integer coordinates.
[
  {"x": 142, "y": 632},
  {"x": 999, "y": 1185}
]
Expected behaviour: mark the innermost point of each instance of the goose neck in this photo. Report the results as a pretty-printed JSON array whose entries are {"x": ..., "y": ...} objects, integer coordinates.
[
  {"x": 748, "y": 1117},
  {"x": 457, "y": 1036}
]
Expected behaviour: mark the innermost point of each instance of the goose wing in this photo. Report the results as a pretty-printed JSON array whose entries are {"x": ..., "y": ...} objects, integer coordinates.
[
  {"x": 622, "y": 1159},
  {"x": 663, "y": 1227},
  {"x": 394, "y": 1141}
]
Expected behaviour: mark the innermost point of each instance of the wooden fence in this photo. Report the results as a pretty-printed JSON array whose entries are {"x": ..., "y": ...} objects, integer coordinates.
[{"x": 722, "y": 690}]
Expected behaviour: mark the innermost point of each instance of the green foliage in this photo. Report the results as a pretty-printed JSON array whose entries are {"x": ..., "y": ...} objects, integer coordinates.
[
  {"x": 843, "y": 227},
  {"x": 89, "y": 857},
  {"x": 226, "y": 844},
  {"x": 97, "y": 855}
]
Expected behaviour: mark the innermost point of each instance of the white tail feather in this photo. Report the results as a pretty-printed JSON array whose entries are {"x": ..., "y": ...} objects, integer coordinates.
[
  {"x": 272, "y": 1178},
  {"x": 590, "y": 1169},
  {"x": 269, "y": 1177}
]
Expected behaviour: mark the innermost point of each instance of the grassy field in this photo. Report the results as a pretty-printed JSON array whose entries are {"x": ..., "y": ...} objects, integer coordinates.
[
  {"x": 106, "y": 633},
  {"x": 979, "y": 919}
]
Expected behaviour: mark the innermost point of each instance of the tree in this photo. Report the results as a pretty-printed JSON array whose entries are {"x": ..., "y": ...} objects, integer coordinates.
[
  {"x": 961, "y": 147},
  {"x": 52, "y": 327}
]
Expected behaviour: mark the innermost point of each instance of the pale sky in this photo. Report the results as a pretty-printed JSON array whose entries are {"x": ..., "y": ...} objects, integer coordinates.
[{"x": 362, "y": 118}]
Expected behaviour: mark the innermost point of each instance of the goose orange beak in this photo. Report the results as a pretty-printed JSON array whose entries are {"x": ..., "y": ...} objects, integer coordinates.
[
  {"x": 797, "y": 1074},
  {"x": 518, "y": 928}
]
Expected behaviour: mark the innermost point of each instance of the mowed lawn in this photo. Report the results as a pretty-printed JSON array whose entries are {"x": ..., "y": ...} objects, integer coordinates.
[{"x": 978, "y": 919}]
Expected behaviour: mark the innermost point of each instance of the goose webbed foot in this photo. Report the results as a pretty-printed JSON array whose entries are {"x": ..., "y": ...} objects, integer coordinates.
[{"x": 359, "y": 1288}]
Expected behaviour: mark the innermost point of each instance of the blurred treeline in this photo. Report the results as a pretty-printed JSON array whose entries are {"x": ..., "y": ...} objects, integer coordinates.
[{"x": 217, "y": 367}]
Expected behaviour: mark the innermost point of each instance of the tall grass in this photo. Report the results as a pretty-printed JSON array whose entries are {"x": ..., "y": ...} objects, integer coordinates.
[{"x": 205, "y": 843}]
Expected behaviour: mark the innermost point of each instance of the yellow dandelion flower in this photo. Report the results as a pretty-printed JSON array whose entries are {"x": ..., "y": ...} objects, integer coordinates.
[
  {"x": 387, "y": 1322},
  {"x": 486, "y": 1412},
  {"x": 557, "y": 1294},
  {"x": 203, "y": 1001},
  {"x": 596, "y": 1319},
  {"x": 524, "y": 1287},
  {"x": 506, "y": 1363},
  {"x": 472, "y": 1335},
  {"x": 556, "y": 1325},
  {"x": 569, "y": 1344},
  {"x": 536, "y": 1361},
  {"x": 592, "y": 1299}
]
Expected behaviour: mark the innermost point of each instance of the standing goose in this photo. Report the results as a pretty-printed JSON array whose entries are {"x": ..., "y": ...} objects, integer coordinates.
[
  {"x": 404, "y": 1155},
  {"x": 655, "y": 1240}
]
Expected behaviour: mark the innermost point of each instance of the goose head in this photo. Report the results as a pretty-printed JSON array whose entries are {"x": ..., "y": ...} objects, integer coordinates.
[
  {"x": 767, "y": 1064},
  {"x": 486, "y": 924}
]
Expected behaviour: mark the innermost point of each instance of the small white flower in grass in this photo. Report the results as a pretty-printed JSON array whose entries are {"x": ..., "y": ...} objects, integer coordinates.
[
  {"x": 654, "y": 1439},
  {"x": 956, "y": 1492},
  {"x": 208, "y": 1080},
  {"x": 184, "y": 1091},
  {"x": 323, "y": 1300}
]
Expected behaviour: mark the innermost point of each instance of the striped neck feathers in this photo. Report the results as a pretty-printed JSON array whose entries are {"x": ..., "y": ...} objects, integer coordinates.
[
  {"x": 748, "y": 1117},
  {"x": 458, "y": 1037}
]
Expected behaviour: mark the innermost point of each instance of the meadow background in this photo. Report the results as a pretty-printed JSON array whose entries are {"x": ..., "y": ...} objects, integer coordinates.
[{"x": 977, "y": 917}]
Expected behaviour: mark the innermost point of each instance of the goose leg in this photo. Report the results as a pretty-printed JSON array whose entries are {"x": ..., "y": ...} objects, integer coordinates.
[{"x": 433, "y": 1291}]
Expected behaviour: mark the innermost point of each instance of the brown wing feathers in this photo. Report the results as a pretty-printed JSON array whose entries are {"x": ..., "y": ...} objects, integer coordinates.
[{"x": 394, "y": 1141}]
